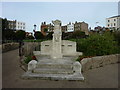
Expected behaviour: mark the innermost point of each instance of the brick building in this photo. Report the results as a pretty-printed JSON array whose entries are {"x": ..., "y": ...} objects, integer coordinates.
[
  {"x": 43, "y": 27},
  {"x": 48, "y": 27}
]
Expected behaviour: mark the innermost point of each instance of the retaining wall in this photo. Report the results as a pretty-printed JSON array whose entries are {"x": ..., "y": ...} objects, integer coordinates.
[
  {"x": 29, "y": 47},
  {"x": 99, "y": 61},
  {"x": 9, "y": 46}
]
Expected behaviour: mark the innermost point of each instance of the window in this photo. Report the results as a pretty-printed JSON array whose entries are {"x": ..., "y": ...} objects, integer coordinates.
[
  {"x": 114, "y": 24},
  {"x": 108, "y": 25},
  {"x": 108, "y": 20},
  {"x": 114, "y": 19}
]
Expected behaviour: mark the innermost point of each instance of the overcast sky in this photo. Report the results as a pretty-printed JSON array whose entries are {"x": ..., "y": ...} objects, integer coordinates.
[{"x": 36, "y": 12}]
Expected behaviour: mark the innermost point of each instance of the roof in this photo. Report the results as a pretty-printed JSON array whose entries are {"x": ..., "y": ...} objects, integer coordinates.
[{"x": 115, "y": 16}]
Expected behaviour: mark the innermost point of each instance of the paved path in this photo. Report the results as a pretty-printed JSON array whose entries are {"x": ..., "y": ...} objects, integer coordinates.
[{"x": 103, "y": 77}]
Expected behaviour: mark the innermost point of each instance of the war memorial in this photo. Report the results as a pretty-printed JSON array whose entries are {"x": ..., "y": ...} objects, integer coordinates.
[{"x": 56, "y": 60}]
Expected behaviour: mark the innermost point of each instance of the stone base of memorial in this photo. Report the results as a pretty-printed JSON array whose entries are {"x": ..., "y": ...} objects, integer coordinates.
[
  {"x": 56, "y": 60},
  {"x": 65, "y": 68}
]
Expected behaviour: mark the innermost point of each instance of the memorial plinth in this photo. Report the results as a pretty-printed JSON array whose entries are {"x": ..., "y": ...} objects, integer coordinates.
[{"x": 56, "y": 60}]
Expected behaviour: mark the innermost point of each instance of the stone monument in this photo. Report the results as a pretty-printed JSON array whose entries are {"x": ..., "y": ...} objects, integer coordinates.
[
  {"x": 56, "y": 51},
  {"x": 57, "y": 48},
  {"x": 56, "y": 60}
]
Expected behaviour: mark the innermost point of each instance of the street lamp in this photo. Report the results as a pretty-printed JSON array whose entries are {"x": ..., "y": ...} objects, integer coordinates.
[{"x": 34, "y": 27}]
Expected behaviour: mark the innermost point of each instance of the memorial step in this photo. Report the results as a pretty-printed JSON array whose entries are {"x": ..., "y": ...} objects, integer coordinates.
[
  {"x": 52, "y": 71},
  {"x": 29, "y": 75},
  {"x": 57, "y": 66}
]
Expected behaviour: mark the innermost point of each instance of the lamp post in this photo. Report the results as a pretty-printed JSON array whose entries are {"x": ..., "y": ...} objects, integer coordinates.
[{"x": 34, "y": 27}]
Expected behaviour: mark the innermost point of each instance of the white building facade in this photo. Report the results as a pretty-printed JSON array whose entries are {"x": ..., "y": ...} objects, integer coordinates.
[
  {"x": 70, "y": 27},
  {"x": 16, "y": 25},
  {"x": 20, "y": 25},
  {"x": 113, "y": 22}
]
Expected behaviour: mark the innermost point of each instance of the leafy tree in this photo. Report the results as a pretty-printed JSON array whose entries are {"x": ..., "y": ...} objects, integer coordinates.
[
  {"x": 8, "y": 34},
  {"x": 4, "y": 24},
  {"x": 49, "y": 36},
  {"x": 78, "y": 34},
  {"x": 20, "y": 35},
  {"x": 39, "y": 35},
  {"x": 45, "y": 29}
]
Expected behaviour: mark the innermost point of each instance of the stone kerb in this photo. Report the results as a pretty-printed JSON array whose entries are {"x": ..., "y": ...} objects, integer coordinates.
[{"x": 99, "y": 61}]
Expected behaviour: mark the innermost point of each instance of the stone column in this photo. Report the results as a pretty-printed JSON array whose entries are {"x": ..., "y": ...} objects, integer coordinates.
[{"x": 56, "y": 41}]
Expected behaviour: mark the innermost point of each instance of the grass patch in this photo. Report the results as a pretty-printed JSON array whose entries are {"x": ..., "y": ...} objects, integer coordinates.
[{"x": 32, "y": 40}]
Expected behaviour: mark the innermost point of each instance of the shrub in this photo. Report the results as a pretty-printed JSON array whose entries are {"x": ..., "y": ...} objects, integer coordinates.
[
  {"x": 39, "y": 35},
  {"x": 29, "y": 58},
  {"x": 29, "y": 37},
  {"x": 83, "y": 56},
  {"x": 117, "y": 36},
  {"x": 98, "y": 45}
]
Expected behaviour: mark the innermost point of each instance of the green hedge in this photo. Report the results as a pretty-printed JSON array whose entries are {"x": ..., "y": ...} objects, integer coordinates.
[{"x": 32, "y": 40}]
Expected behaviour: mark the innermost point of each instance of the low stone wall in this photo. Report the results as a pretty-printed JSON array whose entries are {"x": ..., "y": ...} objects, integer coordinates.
[
  {"x": 0, "y": 48},
  {"x": 99, "y": 61},
  {"x": 9, "y": 46},
  {"x": 29, "y": 47}
]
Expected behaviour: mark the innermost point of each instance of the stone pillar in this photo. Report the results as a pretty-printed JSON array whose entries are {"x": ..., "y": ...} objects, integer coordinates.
[
  {"x": 77, "y": 67},
  {"x": 56, "y": 51}
]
